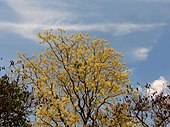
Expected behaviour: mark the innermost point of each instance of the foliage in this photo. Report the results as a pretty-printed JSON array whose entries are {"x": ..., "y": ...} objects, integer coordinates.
[
  {"x": 15, "y": 103},
  {"x": 77, "y": 82},
  {"x": 150, "y": 109}
]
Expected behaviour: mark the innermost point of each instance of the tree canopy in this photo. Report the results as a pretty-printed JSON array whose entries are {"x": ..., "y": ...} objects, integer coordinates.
[
  {"x": 77, "y": 81},
  {"x": 81, "y": 81},
  {"x": 150, "y": 109},
  {"x": 15, "y": 103}
]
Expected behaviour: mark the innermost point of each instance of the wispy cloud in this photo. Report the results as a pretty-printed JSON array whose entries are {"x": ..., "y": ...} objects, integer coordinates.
[
  {"x": 39, "y": 12},
  {"x": 35, "y": 17},
  {"x": 116, "y": 28},
  {"x": 28, "y": 30}
]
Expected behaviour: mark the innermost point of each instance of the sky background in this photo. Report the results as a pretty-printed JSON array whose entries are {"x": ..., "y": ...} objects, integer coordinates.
[{"x": 140, "y": 29}]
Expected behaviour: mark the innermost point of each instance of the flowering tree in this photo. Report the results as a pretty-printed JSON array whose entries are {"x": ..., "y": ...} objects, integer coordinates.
[{"x": 77, "y": 81}]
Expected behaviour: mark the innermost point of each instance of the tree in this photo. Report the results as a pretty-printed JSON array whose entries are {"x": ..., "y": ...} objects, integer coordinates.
[
  {"x": 15, "y": 103},
  {"x": 150, "y": 109},
  {"x": 77, "y": 82}
]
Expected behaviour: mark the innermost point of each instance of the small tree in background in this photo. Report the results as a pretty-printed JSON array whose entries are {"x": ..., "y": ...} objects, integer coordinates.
[
  {"x": 77, "y": 82},
  {"x": 151, "y": 109},
  {"x": 15, "y": 102}
]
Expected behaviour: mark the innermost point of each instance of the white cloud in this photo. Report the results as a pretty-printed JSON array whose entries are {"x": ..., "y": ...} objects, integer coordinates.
[
  {"x": 116, "y": 28},
  {"x": 35, "y": 12},
  {"x": 28, "y": 30},
  {"x": 25, "y": 30},
  {"x": 35, "y": 16},
  {"x": 159, "y": 85},
  {"x": 141, "y": 53}
]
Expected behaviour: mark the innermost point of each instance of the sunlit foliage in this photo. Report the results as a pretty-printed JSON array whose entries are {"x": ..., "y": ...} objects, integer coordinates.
[{"x": 77, "y": 81}]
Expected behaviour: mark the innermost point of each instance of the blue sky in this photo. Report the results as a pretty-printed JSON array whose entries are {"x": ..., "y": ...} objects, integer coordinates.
[{"x": 138, "y": 28}]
